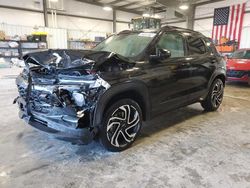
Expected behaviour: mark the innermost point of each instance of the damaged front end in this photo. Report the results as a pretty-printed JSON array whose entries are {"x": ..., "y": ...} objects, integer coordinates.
[{"x": 58, "y": 93}]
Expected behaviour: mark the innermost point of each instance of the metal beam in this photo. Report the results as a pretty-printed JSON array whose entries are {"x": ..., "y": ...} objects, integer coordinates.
[
  {"x": 87, "y": 17},
  {"x": 130, "y": 4},
  {"x": 190, "y": 17},
  {"x": 144, "y": 6},
  {"x": 21, "y": 8},
  {"x": 114, "y": 2},
  {"x": 45, "y": 13},
  {"x": 102, "y": 4},
  {"x": 114, "y": 21},
  {"x": 207, "y": 2}
]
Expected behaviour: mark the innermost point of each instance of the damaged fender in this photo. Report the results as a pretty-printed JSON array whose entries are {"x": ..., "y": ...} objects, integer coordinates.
[{"x": 59, "y": 91}]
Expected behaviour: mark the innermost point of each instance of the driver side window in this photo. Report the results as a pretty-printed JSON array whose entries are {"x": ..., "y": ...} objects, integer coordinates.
[{"x": 172, "y": 42}]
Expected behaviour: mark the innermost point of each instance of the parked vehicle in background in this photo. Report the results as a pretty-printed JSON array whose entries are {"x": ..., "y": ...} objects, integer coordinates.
[
  {"x": 238, "y": 66},
  {"x": 130, "y": 77}
]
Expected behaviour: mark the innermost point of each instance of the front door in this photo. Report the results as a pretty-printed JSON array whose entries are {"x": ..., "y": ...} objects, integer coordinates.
[{"x": 170, "y": 81}]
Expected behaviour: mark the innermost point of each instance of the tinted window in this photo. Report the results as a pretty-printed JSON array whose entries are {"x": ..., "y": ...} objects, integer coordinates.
[
  {"x": 128, "y": 45},
  {"x": 243, "y": 54},
  {"x": 172, "y": 42},
  {"x": 211, "y": 46},
  {"x": 195, "y": 46}
]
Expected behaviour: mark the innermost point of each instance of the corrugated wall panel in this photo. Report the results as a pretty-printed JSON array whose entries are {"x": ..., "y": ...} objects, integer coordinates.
[{"x": 81, "y": 34}]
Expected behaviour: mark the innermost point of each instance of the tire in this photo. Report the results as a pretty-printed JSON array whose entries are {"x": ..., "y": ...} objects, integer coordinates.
[
  {"x": 121, "y": 125},
  {"x": 215, "y": 96}
]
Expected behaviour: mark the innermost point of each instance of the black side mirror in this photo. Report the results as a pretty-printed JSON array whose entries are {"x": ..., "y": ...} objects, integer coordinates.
[
  {"x": 164, "y": 53},
  {"x": 161, "y": 55}
]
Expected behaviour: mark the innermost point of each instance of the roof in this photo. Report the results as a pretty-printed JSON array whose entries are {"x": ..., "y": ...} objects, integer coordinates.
[{"x": 165, "y": 28}]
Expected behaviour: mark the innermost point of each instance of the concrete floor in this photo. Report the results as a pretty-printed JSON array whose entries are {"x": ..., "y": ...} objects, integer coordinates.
[{"x": 184, "y": 148}]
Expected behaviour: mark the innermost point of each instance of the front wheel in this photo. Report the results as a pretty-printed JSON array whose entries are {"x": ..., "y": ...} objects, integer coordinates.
[
  {"x": 121, "y": 125},
  {"x": 215, "y": 96}
]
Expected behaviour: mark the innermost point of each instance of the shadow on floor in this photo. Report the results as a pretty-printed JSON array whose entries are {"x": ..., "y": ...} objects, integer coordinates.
[
  {"x": 169, "y": 119},
  {"x": 158, "y": 124},
  {"x": 48, "y": 147}
]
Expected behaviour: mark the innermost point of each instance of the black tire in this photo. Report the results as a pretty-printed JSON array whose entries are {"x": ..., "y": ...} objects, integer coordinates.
[
  {"x": 215, "y": 96},
  {"x": 121, "y": 125}
]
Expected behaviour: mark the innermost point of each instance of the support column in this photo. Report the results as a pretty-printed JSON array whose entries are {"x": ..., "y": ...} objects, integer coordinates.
[
  {"x": 190, "y": 17},
  {"x": 45, "y": 13},
  {"x": 114, "y": 21}
]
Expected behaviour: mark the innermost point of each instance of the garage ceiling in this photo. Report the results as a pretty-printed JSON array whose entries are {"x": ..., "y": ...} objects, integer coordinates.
[{"x": 139, "y": 6}]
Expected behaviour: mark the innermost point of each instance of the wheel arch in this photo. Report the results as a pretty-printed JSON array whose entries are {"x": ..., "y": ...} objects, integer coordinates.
[
  {"x": 135, "y": 90},
  {"x": 220, "y": 75}
]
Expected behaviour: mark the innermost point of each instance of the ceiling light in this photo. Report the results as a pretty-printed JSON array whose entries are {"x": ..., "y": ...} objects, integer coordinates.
[
  {"x": 107, "y": 8},
  {"x": 156, "y": 16},
  {"x": 146, "y": 15},
  {"x": 54, "y": 1},
  {"x": 183, "y": 7}
]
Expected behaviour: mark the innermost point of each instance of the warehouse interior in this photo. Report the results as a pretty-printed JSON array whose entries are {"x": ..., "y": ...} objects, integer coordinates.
[{"x": 186, "y": 147}]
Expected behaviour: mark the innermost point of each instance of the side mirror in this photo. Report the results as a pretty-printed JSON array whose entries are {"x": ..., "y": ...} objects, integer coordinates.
[{"x": 162, "y": 54}]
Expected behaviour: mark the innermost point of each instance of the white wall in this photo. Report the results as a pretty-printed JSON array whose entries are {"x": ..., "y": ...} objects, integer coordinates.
[
  {"x": 69, "y": 22},
  {"x": 18, "y": 17},
  {"x": 121, "y": 27},
  {"x": 125, "y": 16},
  {"x": 83, "y": 9},
  {"x": 30, "y": 4},
  {"x": 26, "y": 18},
  {"x": 204, "y": 26}
]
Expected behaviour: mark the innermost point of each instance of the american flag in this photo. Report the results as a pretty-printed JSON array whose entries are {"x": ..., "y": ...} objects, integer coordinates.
[{"x": 228, "y": 22}]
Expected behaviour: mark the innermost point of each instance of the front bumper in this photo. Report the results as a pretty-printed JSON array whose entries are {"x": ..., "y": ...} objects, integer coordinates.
[
  {"x": 235, "y": 75},
  {"x": 58, "y": 128}
]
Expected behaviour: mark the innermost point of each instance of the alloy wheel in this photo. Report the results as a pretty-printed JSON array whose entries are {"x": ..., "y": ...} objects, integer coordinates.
[
  {"x": 123, "y": 126},
  {"x": 217, "y": 93}
]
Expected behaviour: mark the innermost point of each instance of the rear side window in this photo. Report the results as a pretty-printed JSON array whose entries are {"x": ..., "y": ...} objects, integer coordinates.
[
  {"x": 211, "y": 47},
  {"x": 172, "y": 42},
  {"x": 195, "y": 45}
]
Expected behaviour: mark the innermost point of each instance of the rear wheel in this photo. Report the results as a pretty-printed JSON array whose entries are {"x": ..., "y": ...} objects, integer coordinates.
[
  {"x": 215, "y": 96},
  {"x": 121, "y": 125}
]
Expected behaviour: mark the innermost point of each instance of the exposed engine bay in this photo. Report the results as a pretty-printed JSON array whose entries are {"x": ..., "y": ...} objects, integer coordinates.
[{"x": 59, "y": 89}]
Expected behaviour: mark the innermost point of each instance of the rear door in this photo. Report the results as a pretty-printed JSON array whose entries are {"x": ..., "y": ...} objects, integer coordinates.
[{"x": 202, "y": 65}]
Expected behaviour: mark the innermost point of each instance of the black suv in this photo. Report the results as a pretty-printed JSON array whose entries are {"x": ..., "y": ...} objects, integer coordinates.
[{"x": 109, "y": 91}]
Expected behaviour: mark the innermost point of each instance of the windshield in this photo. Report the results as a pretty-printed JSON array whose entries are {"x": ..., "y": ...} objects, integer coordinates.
[
  {"x": 127, "y": 45},
  {"x": 243, "y": 54}
]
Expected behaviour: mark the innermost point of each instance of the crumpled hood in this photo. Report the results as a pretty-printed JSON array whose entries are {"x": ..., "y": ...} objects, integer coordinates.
[
  {"x": 64, "y": 59},
  {"x": 238, "y": 64}
]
